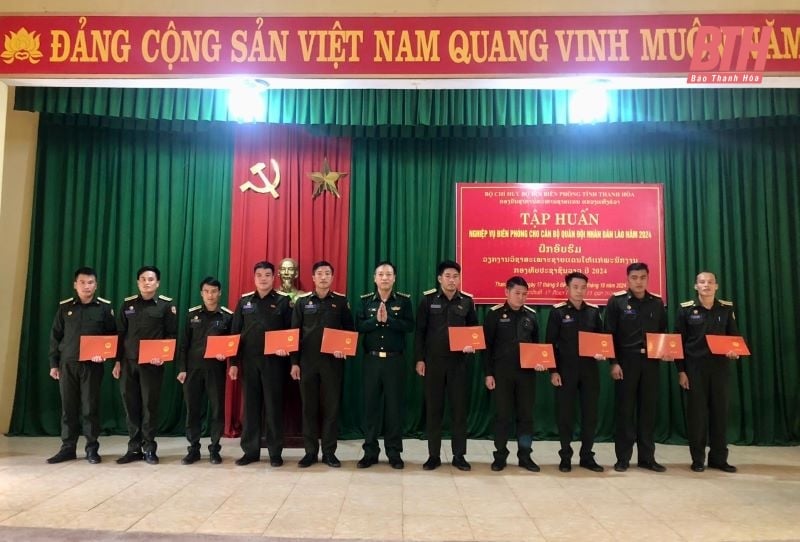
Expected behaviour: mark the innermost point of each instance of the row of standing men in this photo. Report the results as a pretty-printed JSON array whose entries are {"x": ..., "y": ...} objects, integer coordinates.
[{"x": 383, "y": 319}]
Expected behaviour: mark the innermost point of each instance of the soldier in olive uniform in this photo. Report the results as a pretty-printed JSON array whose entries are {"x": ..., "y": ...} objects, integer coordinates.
[
  {"x": 445, "y": 372},
  {"x": 265, "y": 309},
  {"x": 199, "y": 374},
  {"x": 705, "y": 376},
  {"x": 506, "y": 326},
  {"x": 320, "y": 374},
  {"x": 384, "y": 319},
  {"x": 143, "y": 316},
  {"x": 79, "y": 382},
  {"x": 575, "y": 376},
  {"x": 630, "y": 315}
]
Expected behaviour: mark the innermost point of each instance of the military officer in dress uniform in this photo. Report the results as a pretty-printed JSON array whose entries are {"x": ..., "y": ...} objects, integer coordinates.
[
  {"x": 320, "y": 374},
  {"x": 143, "y": 316},
  {"x": 384, "y": 319},
  {"x": 265, "y": 309},
  {"x": 630, "y": 315},
  {"x": 199, "y": 374},
  {"x": 575, "y": 376},
  {"x": 444, "y": 371},
  {"x": 79, "y": 382},
  {"x": 514, "y": 388},
  {"x": 705, "y": 376}
]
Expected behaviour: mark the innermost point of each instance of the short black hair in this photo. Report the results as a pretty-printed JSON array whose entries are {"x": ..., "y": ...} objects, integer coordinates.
[
  {"x": 447, "y": 264},
  {"x": 321, "y": 263},
  {"x": 707, "y": 272},
  {"x": 575, "y": 275},
  {"x": 386, "y": 262},
  {"x": 146, "y": 268},
  {"x": 516, "y": 281},
  {"x": 211, "y": 281},
  {"x": 85, "y": 271},
  {"x": 264, "y": 264},
  {"x": 637, "y": 266}
]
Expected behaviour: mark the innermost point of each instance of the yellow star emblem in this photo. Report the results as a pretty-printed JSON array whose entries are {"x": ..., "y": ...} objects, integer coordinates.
[{"x": 325, "y": 180}]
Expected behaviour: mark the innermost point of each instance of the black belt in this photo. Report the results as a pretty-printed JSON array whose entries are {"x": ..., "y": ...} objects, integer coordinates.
[{"x": 382, "y": 354}]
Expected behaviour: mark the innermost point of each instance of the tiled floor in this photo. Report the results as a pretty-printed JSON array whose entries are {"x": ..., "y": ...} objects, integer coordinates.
[{"x": 761, "y": 502}]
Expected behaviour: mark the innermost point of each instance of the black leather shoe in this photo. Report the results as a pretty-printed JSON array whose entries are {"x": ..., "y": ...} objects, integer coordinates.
[
  {"x": 498, "y": 465},
  {"x": 528, "y": 464},
  {"x": 214, "y": 458},
  {"x": 276, "y": 461},
  {"x": 246, "y": 460},
  {"x": 396, "y": 463},
  {"x": 130, "y": 457},
  {"x": 622, "y": 466},
  {"x": 151, "y": 458},
  {"x": 93, "y": 457},
  {"x": 192, "y": 457},
  {"x": 565, "y": 465},
  {"x": 307, "y": 461},
  {"x": 591, "y": 464},
  {"x": 460, "y": 463},
  {"x": 724, "y": 467},
  {"x": 697, "y": 466},
  {"x": 651, "y": 465},
  {"x": 61, "y": 456},
  {"x": 432, "y": 463},
  {"x": 331, "y": 460},
  {"x": 366, "y": 462}
]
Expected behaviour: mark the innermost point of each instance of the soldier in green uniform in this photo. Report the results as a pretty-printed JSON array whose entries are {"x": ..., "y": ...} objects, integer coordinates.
[
  {"x": 514, "y": 388},
  {"x": 320, "y": 374},
  {"x": 79, "y": 382},
  {"x": 143, "y": 316},
  {"x": 630, "y": 315},
  {"x": 706, "y": 376},
  {"x": 445, "y": 372},
  {"x": 575, "y": 376},
  {"x": 265, "y": 309},
  {"x": 383, "y": 320},
  {"x": 199, "y": 374}
]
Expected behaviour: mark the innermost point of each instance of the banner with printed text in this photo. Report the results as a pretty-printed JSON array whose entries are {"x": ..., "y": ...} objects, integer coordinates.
[{"x": 544, "y": 231}]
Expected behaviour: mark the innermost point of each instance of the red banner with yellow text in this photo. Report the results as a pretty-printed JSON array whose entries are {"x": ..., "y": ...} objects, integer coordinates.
[
  {"x": 438, "y": 47},
  {"x": 544, "y": 231}
]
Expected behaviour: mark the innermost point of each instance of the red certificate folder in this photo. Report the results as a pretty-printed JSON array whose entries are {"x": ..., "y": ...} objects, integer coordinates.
[
  {"x": 722, "y": 344},
  {"x": 664, "y": 345},
  {"x": 531, "y": 355},
  {"x": 225, "y": 345},
  {"x": 163, "y": 349},
  {"x": 591, "y": 344},
  {"x": 283, "y": 339},
  {"x": 339, "y": 340},
  {"x": 461, "y": 337},
  {"x": 104, "y": 346}
]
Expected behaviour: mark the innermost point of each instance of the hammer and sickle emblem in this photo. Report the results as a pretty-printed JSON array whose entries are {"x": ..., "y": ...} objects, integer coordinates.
[{"x": 267, "y": 187}]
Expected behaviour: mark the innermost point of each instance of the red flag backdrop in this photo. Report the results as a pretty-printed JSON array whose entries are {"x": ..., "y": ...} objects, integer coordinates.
[{"x": 294, "y": 225}]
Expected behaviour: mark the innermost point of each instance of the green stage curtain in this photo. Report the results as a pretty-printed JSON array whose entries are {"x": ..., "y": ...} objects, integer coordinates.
[
  {"x": 731, "y": 206},
  {"x": 117, "y": 199},
  {"x": 372, "y": 107}
]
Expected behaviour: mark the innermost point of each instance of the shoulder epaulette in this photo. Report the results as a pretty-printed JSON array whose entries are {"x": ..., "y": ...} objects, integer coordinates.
[
  {"x": 248, "y": 293},
  {"x": 305, "y": 295},
  {"x": 403, "y": 294},
  {"x": 103, "y": 300},
  {"x": 281, "y": 292},
  {"x": 621, "y": 292},
  {"x": 726, "y": 303},
  {"x": 559, "y": 305},
  {"x": 429, "y": 292},
  {"x": 165, "y": 298},
  {"x": 226, "y": 310},
  {"x": 466, "y": 293},
  {"x": 655, "y": 295},
  {"x": 527, "y": 308},
  {"x": 63, "y": 301},
  {"x": 687, "y": 303},
  {"x": 339, "y": 293},
  {"x": 497, "y": 307},
  {"x": 195, "y": 308},
  {"x": 131, "y": 297},
  {"x": 370, "y": 294},
  {"x": 591, "y": 305}
]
